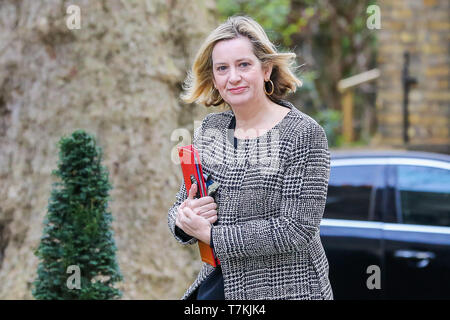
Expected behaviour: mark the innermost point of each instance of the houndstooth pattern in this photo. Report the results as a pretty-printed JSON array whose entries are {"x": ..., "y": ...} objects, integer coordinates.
[{"x": 271, "y": 200}]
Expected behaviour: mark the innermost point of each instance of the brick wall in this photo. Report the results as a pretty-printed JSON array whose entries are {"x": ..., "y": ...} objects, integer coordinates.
[{"x": 421, "y": 27}]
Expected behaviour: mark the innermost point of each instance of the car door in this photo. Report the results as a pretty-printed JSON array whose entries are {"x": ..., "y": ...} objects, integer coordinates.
[
  {"x": 351, "y": 230},
  {"x": 417, "y": 243}
]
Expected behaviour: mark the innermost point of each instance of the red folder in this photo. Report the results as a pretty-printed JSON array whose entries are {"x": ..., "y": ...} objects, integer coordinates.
[{"x": 192, "y": 172}]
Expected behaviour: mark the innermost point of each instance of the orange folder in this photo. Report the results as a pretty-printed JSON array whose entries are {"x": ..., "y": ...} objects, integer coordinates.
[{"x": 192, "y": 173}]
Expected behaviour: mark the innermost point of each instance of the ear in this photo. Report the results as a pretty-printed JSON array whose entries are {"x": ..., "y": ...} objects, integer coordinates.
[{"x": 267, "y": 71}]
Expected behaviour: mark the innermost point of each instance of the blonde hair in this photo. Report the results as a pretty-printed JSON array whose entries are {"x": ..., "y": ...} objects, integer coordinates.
[{"x": 199, "y": 86}]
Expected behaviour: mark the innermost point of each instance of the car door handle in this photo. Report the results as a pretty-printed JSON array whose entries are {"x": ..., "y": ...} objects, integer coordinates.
[{"x": 423, "y": 256}]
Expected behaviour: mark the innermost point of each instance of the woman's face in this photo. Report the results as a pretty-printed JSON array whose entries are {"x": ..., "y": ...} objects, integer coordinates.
[{"x": 238, "y": 73}]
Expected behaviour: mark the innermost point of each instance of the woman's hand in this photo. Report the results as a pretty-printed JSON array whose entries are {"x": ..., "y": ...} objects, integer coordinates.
[{"x": 195, "y": 216}]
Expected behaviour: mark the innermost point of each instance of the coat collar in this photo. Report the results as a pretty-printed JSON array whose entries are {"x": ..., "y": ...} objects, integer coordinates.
[{"x": 229, "y": 114}]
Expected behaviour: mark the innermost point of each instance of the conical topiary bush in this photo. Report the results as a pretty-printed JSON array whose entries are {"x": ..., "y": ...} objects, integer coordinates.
[{"x": 77, "y": 251}]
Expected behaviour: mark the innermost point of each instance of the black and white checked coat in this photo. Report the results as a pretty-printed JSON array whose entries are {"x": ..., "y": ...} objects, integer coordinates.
[{"x": 270, "y": 203}]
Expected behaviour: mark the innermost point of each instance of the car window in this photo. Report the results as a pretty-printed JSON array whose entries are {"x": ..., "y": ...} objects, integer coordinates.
[
  {"x": 352, "y": 190},
  {"x": 423, "y": 195}
]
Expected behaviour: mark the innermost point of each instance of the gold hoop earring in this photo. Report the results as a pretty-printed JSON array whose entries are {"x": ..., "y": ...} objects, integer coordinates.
[{"x": 271, "y": 91}]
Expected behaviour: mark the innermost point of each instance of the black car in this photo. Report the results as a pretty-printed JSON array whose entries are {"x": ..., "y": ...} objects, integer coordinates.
[{"x": 386, "y": 225}]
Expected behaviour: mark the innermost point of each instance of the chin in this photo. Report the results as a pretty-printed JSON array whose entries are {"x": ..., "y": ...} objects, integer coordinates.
[{"x": 238, "y": 100}]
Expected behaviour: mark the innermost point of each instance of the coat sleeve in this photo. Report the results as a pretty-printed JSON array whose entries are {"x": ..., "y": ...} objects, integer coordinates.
[
  {"x": 179, "y": 234},
  {"x": 305, "y": 186}
]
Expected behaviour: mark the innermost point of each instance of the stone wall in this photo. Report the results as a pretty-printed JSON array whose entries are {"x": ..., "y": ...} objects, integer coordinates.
[
  {"x": 118, "y": 77},
  {"x": 421, "y": 27}
]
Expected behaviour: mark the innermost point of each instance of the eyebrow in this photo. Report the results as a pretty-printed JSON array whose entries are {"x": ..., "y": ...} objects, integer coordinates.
[{"x": 240, "y": 59}]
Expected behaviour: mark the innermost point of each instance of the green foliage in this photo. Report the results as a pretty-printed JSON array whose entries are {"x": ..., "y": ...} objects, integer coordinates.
[
  {"x": 77, "y": 227},
  {"x": 271, "y": 15},
  {"x": 331, "y": 37}
]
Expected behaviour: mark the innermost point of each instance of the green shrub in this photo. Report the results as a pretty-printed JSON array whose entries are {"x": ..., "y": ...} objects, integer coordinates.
[{"x": 77, "y": 228}]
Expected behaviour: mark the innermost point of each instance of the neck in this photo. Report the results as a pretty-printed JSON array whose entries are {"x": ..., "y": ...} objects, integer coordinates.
[{"x": 252, "y": 114}]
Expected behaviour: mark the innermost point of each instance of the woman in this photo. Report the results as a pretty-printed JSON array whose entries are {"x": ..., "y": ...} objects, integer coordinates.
[{"x": 273, "y": 171}]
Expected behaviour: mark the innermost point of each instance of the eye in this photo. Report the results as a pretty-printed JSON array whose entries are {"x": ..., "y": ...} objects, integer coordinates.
[
  {"x": 245, "y": 64},
  {"x": 221, "y": 68}
]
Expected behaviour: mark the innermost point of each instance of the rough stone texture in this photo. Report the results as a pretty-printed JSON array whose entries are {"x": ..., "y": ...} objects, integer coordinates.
[
  {"x": 422, "y": 27},
  {"x": 119, "y": 78}
]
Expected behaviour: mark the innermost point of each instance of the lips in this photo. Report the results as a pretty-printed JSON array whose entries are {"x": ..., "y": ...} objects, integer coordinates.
[{"x": 237, "y": 90}]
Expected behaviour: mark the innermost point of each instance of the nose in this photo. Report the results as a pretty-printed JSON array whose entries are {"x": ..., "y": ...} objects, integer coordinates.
[{"x": 234, "y": 75}]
